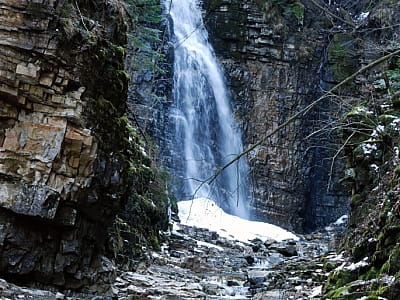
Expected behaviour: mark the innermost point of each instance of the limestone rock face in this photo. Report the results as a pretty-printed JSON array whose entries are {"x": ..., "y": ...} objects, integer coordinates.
[
  {"x": 273, "y": 55},
  {"x": 52, "y": 212}
]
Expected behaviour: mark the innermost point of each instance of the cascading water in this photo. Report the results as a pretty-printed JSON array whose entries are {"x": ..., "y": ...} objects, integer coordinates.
[{"x": 205, "y": 133}]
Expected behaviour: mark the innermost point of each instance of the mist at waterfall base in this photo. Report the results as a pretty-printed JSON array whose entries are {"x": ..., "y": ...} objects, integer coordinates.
[{"x": 204, "y": 213}]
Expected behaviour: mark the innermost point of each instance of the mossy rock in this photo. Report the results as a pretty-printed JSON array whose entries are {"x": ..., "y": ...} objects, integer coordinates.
[
  {"x": 356, "y": 200},
  {"x": 342, "y": 56},
  {"x": 337, "y": 293},
  {"x": 329, "y": 266},
  {"x": 371, "y": 273},
  {"x": 297, "y": 9},
  {"x": 340, "y": 278},
  {"x": 396, "y": 100},
  {"x": 392, "y": 266}
]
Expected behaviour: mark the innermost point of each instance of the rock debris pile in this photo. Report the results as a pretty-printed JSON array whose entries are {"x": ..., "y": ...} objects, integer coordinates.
[{"x": 198, "y": 263}]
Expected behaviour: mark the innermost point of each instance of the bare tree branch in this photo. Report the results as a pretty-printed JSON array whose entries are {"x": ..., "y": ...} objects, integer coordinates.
[
  {"x": 332, "y": 14},
  {"x": 300, "y": 113},
  {"x": 335, "y": 156}
]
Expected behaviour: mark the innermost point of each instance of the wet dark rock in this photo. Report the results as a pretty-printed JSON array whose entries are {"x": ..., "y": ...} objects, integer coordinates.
[
  {"x": 286, "y": 249},
  {"x": 232, "y": 283},
  {"x": 250, "y": 259},
  {"x": 256, "y": 248},
  {"x": 207, "y": 266},
  {"x": 269, "y": 242},
  {"x": 274, "y": 64}
]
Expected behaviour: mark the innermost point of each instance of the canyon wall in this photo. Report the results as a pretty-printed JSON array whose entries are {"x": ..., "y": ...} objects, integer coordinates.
[
  {"x": 372, "y": 152},
  {"x": 274, "y": 54},
  {"x": 69, "y": 159}
]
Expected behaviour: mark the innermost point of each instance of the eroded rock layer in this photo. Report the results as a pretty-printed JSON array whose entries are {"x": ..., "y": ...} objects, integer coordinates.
[
  {"x": 59, "y": 188},
  {"x": 273, "y": 53}
]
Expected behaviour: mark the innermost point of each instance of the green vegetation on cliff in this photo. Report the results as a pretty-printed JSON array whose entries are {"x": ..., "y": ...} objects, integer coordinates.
[
  {"x": 140, "y": 196},
  {"x": 371, "y": 130}
]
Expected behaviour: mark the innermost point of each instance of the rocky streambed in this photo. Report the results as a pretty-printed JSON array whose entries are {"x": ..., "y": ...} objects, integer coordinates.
[{"x": 199, "y": 264}]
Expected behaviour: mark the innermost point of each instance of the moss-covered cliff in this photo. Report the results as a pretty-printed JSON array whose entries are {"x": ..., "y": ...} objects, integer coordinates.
[
  {"x": 274, "y": 53},
  {"x": 69, "y": 158},
  {"x": 371, "y": 140}
]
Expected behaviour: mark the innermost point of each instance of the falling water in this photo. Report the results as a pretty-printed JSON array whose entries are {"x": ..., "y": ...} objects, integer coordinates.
[{"x": 205, "y": 134}]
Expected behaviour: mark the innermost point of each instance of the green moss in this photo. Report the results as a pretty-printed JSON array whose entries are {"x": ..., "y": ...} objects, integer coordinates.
[
  {"x": 341, "y": 54},
  {"x": 378, "y": 291},
  {"x": 340, "y": 277},
  {"x": 338, "y": 293},
  {"x": 144, "y": 201},
  {"x": 397, "y": 170},
  {"x": 392, "y": 266},
  {"x": 356, "y": 200},
  {"x": 297, "y": 8},
  {"x": 370, "y": 274}
]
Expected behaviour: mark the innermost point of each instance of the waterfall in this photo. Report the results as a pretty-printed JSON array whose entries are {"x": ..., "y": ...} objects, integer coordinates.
[{"x": 205, "y": 134}]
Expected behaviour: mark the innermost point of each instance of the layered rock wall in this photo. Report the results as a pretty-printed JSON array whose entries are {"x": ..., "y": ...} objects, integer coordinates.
[
  {"x": 61, "y": 183},
  {"x": 273, "y": 53}
]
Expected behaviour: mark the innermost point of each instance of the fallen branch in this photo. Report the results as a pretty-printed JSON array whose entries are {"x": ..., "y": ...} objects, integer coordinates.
[
  {"x": 80, "y": 14},
  {"x": 332, "y": 14},
  {"x": 334, "y": 159},
  {"x": 300, "y": 113}
]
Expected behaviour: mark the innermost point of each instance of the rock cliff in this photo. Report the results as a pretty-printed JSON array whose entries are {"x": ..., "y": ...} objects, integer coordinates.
[
  {"x": 69, "y": 159},
  {"x": 372, "y": 139},
  {"x": 274, "y": 54}
]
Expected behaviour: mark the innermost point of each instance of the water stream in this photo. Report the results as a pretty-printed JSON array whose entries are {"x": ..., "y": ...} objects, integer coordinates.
[{"x": 206, "y": 136}]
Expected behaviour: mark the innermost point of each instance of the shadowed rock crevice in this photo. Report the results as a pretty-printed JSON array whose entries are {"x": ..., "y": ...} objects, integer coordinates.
[{"x": 274, "y": 56}]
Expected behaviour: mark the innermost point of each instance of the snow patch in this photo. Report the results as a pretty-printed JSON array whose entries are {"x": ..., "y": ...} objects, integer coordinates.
[
  {"x": 395, "y": 124},
  {"x": 355, "y": 266},
  {"x": 317, "y": 291},
  {"x": 378, "y": 131},
  {"x": 368, "y": 148},
  {"x": 374, "y": 167},
  {"x": 208, "y": 245},
  {"x": 362, "y": 110},
  {"x": 205, "y": 213},
  {"x": 361, "y": 17},
  {"x": 341, "y": 220}
]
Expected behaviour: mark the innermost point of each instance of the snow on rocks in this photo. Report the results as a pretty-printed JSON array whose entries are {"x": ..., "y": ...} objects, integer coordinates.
[
  {"x": 199, "y": 263},
  {"x": 205, "y": 213}
]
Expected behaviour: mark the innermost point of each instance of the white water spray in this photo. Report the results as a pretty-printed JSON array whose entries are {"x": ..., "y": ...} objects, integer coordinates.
[{"x": 205, "y": 132}]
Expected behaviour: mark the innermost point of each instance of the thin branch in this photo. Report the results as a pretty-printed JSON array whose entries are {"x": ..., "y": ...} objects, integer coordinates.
[
  {"x": 302, "y": 112},
  {"x": 335, "y": 156},
  {"x": 80, "y": 14},
  {"x": 332, "y": 14}
]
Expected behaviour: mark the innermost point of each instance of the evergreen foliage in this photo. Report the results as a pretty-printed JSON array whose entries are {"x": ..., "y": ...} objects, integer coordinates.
[{"x": 145, "y": 35}]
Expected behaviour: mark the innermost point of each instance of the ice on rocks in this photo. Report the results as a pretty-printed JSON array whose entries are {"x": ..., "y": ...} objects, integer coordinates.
[{"x": 205, "y": 213}]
